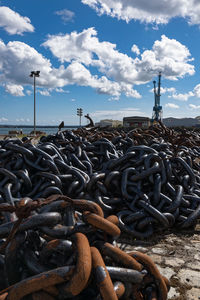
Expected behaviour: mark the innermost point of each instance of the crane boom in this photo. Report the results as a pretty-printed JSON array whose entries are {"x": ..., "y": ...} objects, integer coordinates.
[{"x": 157, "y": 109}]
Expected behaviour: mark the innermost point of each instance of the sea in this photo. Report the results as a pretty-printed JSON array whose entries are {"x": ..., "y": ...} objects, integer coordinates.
[{"x": 27, "y": 130}]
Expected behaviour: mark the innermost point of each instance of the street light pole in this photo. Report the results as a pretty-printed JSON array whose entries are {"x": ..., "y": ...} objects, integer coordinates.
[
  {"x": 34, "y": 74},
  {"x": 79, "y": 113}
]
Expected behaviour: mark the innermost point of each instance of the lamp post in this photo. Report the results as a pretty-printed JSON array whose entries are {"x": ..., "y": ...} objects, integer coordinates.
[
  {"x": 34, "y": 74},
  {"x": 80, "y": 113}
]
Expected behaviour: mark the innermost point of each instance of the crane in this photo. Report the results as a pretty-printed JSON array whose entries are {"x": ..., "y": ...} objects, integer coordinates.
[{"x": 157, "y": 109}]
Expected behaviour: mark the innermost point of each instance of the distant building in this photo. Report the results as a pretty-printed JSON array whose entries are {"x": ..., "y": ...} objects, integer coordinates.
[
  {"x": 109, "y": 123},
  {"x": 143, "y": 122}
]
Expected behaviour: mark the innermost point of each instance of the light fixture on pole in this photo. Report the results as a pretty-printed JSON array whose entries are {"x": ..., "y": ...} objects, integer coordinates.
[
  {"x": 80, "y": 113},
  {"x": 34, "y": 74}
]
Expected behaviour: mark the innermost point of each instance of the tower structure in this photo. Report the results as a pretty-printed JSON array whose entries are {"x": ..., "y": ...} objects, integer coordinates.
[{"x": 157, "y": 109}]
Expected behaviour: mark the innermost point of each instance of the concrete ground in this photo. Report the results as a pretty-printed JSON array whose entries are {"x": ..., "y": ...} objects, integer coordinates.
[{"x": 177, "y": 256}]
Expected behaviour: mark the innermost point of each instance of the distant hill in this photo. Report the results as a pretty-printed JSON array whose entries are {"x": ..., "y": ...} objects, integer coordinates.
[{"x": 187, "y": 122}]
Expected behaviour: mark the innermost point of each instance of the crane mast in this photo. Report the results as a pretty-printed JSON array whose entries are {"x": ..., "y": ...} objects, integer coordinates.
[{"x": 157, "y": 109}]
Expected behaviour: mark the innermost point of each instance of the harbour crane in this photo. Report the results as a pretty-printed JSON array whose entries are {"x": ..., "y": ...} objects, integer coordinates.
[{"x": 157, "y": 109}]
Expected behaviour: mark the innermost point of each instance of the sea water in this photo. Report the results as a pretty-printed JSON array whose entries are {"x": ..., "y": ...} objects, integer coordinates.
[{"x": 25, "y": 130}]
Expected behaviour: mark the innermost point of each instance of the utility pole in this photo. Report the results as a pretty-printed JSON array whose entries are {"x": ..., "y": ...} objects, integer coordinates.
[
  {"x": 34, "y": 74},
  {"x": 79, "y": 113}
]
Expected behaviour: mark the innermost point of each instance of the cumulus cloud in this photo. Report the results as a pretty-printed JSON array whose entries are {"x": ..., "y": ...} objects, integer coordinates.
[
  {"x": 77, "y": 73},
  {"x": 25, "y": 59},
  {"x": 164, "y": 90},
  {"x": 197, "y": 90},
  {"x": 135, "y": 49},
  {"x": 171, "y": 105},
  {"x": 182, "y": 97},
  {"x": 14, "y": 89},
  {"x": 169, "y": 56},
  {"x": 19, "y": 54},
  {"x": 28, "y": 92},
  {"x": 13, "y": 23},
  {"x": 60, "y": 90},
  {"x": 193, "y": 106},
  {"x": 154, "y": 11},
  {"x": 78, "y": 52},
  {"x": 66, "y": 15},
  {"x": 44, "y": 92}
]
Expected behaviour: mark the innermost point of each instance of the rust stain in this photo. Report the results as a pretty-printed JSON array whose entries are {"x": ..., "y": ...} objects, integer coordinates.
[
  {"x": 102, "y": 224},
  {"x": 104, "y": 281},
  {"x": 38, "y": 282},
  {"x": 151, "y": 267},
  {"x": 79, "y": 279},
  {"x": 119, "y": 289},
  {"x": 113, "y": 219},
  {"x": 52, "y": 244},
  {"x": 120, "y": 256}
]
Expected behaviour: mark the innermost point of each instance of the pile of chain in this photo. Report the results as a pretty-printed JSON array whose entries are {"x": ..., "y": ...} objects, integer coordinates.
[
  {"x": 63, "y": 248},
  {"x": 148, "y": 178}
]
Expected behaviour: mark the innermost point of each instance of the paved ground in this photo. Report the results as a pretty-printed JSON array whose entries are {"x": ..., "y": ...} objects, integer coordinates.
[{"x": 177, "y": 255}]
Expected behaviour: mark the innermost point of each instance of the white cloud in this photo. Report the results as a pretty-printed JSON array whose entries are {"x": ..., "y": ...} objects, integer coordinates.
[
  {"x": 73, "y": 100},
  {"x": 2, "y": 119},
  {"x": 193, "y": 106},
  {"x": 168, "y": 90},
  {"x": 66, "y": 15},
  {"x": 154, "y": 11},
  {"x": 14, "y": 89},
  {"x": 28, "y": 92},
  {"x": 20, "y": 120},
  {"x": 182, "y": 97},
  {"x": 19, "y": 54},
  {"x": 167, "y": 55},
  {"x": 197, "y": 90},
  {"x": 44, "y": 92},
  {"x": 135, "y": 49},
  {"x": 78, "y": 52},
  {"x": 116, "y": 114},
  {"x": 171, "y": 105},
  {"x": 78, "y": 74},
  {"x": 164, "y": 90},
  {"x": 13, "y": 23},
  {"x": 60, "y": 90},
  {"x": 18, "y": 59},
  {"x": 75, "y": 44}
]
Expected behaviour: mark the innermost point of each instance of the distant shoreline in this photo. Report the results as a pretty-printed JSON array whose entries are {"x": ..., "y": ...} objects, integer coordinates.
[{"x": 38, "y": 126}]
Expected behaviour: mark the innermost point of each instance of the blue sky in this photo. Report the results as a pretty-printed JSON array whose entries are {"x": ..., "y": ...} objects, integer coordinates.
[{"x": 100, "y": 55}]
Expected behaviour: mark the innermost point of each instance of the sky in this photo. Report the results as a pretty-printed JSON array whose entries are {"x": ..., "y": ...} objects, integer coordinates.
[{"x": 98, "y": 55}]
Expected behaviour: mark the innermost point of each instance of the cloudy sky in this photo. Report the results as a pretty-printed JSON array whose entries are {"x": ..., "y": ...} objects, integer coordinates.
[{"x": 100, "y": 55}]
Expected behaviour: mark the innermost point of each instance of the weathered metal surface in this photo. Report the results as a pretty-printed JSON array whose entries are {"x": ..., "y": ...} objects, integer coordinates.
[{"x": 54, "y": 196}]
